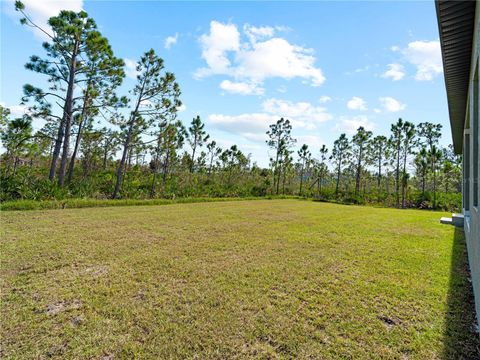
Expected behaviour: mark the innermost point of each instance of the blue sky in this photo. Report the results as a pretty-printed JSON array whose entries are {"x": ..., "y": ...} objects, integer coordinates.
[{"x": 328, "y": 66}]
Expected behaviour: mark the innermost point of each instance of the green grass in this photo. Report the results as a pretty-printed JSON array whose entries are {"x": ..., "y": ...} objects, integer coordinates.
[
  {"x": 243, "y": 279},
  {"x": 16, "y": 205}
]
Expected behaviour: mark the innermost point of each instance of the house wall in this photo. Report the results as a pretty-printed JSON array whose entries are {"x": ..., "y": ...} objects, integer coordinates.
[{"x": 471, "y": 171}]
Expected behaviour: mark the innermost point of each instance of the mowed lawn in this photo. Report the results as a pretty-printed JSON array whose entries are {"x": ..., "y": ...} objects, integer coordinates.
[{"x": 245, "y": 279}]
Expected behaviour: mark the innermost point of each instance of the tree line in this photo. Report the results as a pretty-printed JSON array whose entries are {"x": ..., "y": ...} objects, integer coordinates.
[
  {"x": 407, "y": 168},
  {"x": 96, "y": 143}
]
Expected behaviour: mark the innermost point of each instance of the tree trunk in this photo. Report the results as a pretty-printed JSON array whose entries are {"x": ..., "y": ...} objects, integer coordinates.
[
  {"x": 319, "y": 183},
  {"x": 404, "y": 180},
  {"x": 77, "y": 141},
  {"x": 15, "y": 164},
  {"x": 301, "y": 180},
  {"x": 68, "y": 115},
  {"x": 166, "y": 165},
  {"x": 359, "y": 169},
  {"x": 276, "y": 175},
  {"x": 397, "y": 177},
  {"x": 156, "y": 164},
  {"x": 194, "y": 148},
  {"x": 122, "y": 160},
  {"x": 379, "y": 178},
  {"x": 338, "y": 175},
  {"x": 57, "y": 148}
]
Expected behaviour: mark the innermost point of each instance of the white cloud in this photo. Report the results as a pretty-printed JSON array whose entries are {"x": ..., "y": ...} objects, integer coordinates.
[
  {"x": 357, "y": 103},
  {"x": 427, "y": 58},
  {"x": 41, "y": 11},
  {"x": 391, "y": 105},
  {"x": 131, "y": 68},
  {"x": 242, "y": 88},
  {"x": 171, "y": 40},
  {"x": 350, "y": 125},
  {"x": 395, "y": 72},
  {"x": 324, "y": 99},
  {"x": 252, "y": 126},
  {"x": 261, "y": 57},
  {"x": 182, "y": 108},
  {"x": 303, "y": 112},
  {"x": 215, "y": 45},
  {"x": 276, "y": 57},
  {"x": 282, "y": 89},
  {"x": 363, "y": 69},
  {"x": 17, "y": 110},
  {"x": 256, "y": 33}
]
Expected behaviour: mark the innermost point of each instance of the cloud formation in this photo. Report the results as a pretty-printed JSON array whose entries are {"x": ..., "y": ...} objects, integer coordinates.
[
  {"x": 252, "y": 126},
  {"x": 324, "y": 99},
  {"x": 259, "y": 56},
  {"x": 170, "y": 40},
  {"x": 301, "y": 112},
  {"x": 350, "y": 124},
  {"x": 357, "y": 103},
  {"x": 391, "y": 105},
  {"x": 425, "y": 56},
  {"x": 242, "y": 88},
  {"x": 395, "y": 72}
]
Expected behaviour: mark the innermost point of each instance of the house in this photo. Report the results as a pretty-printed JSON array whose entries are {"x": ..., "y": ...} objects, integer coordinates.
[{"x": 459, "y": 28}]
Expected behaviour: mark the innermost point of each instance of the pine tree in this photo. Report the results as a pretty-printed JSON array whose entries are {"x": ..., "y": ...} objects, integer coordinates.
[
  {"x": 395, "y": 140},
  {"x": 16, "y": 138},
  {"x": 280, "y": 140},
  {"x": 304, "y": 155},
  {"x": 422, "y": 165},
  {"x": 156, "y": 98},
  {"x": 360, "y": 142},
  {"x": 213, "y": 153},
  {"x": 322, "y": 168},
  {"x": 197, "y": 137},
  {"x": 72, "y": 41},
  {"x": 379, "y": 144},
  {"x": 340, "y": 152},
  {"x": 103, "y": 75},
  {"x": 408, "y": 130}
]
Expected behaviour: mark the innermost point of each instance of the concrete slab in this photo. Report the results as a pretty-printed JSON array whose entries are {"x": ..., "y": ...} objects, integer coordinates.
[{"x": 446, "y": 220}]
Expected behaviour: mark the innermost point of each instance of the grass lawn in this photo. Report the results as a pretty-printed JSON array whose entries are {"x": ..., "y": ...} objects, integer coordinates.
[{"x": 244, "y": 279}]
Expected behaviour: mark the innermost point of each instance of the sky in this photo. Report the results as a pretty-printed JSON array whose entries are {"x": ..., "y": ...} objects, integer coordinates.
[{"x": 329, "y": 67}]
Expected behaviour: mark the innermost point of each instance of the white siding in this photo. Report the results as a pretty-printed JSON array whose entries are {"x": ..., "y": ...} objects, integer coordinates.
[{"x": 471, "y": 155}]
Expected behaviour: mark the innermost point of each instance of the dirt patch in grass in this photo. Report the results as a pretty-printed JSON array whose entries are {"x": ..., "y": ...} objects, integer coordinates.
[{"x": 61, "y": 306}]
